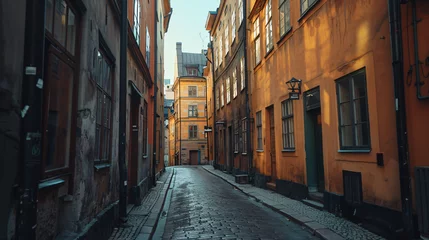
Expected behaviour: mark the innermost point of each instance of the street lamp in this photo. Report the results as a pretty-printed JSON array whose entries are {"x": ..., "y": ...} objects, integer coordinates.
[{"x": 294, "y": 86}]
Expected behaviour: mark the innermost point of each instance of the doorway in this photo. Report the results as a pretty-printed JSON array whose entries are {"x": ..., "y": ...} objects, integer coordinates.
[
  {"x": 193, "y": 154},
  {"x": 314, "y": 142},
  {"x": 229, "y": 156},
  {"x": 272, "y": 143},
  {"x": 133, "y": 146}
]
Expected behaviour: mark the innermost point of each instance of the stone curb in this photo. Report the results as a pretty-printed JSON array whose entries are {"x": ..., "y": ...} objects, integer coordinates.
[
  {"x": 149, "y": 227},
  {"x": 315, "y": 228}
]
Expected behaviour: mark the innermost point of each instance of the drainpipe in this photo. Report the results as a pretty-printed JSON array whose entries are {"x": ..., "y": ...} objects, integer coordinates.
[
  {"x": 31, "y": 132},
  {"x": 180, "y": 126},
  {"x": 416, "y": 53},
  {"x": 401, "y": 125},
  {"x": 249, "y": 144},
  {"x": 214, "y": 107},
  {"x": 123, "y": 175},
  {"x": 155, "y": 96}
]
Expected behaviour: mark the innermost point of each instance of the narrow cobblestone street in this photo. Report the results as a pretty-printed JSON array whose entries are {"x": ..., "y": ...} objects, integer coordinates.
[{"x": 205, "y": 207}]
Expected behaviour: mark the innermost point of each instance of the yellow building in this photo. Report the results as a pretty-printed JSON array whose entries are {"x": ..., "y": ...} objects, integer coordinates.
[{"x": 189, "y": 120}]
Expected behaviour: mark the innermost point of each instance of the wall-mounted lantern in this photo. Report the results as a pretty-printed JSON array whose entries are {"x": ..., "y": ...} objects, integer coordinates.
[{"x": 294, "y": 86}]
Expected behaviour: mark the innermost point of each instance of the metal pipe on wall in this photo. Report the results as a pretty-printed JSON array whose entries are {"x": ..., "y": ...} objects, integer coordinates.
[{"x": 155, "y": 93}]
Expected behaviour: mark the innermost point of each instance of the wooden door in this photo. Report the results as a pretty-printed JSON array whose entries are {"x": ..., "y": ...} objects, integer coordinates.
[
  {"x": 194, "y": 157},
  {"x": 272, "y": 144},
  {"x": 133, "y": 146}
]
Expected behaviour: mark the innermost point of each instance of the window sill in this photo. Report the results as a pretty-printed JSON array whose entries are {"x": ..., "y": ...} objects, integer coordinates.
[
  {"x": 101, "y": 166},
  {"x": 260, "y": 151},
  {"x": 235, "y": 152},
  {"x": 288, "y": 150},
  {"x": 307, "y": 11},
  {"x": 284, "y": 36},
  {"x": 257, "y": 65},
  {"x": 354, "y": 150},
  {"x": 243, "y": 153},
  {"x": 269, "y": 51},
  {"x": 51, "y": 183}
]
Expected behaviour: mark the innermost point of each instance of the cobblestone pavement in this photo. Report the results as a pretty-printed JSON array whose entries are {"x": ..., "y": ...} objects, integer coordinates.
[
  {"x": 139, "y": 214},
  {"x": 204, "y": 207},
  {"x": 299, "y": 210}
]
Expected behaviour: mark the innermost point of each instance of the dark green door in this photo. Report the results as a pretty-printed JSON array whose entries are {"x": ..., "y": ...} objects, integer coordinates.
[{"x": 318, "y": 147}]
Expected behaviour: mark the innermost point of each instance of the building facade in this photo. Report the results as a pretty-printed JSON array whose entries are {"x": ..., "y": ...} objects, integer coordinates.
[
  {"x": 190, "y": 120},
  {"x": 227, "y": 29}
]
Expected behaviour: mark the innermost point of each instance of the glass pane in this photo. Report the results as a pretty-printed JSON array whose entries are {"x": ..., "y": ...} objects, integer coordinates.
[
  {"x": 106, "y": 144},
  {"x": 108, "y": 81},
  {"x": 97, "y": 143},
  {"x": 287, "y": 13},
  {"x": 362, "y": 134},
  {"x": 60, "y": 87},
  {"x": 344, "y": 91},
  {"x": 108, "y": 113},
  {"x": 60, "y": 21},
  {"x": 345, "y": 118},
  {"x": 360, "y": 112},
  {"x": 304, "y": 5},
  {"x": 99, "y": 106},
  {"x": 71, "y": 32},
  {"x": 49, "y": 12},
  {"x": 359, "y": 86},
  {"x": 289, "y": 108},
  {"x": 347, "y": 136},
  {"x": 290, "y": 125},
  {"x": 292, "y": 140}
]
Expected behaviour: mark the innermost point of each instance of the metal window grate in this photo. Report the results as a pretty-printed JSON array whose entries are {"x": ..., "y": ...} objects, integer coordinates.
[
  {"x": 352, "y": 187},
  {"x": 422, "y": 198}
]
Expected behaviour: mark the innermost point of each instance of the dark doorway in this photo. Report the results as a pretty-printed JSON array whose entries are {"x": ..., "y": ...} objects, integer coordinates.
[
  {"x": 229, "y": 157},
  {"x": 272, "y": 143},
  {"x": 314, "y": 141},
  {"x": 193, "y": 155},
  {"x": 133, "y": 146}
]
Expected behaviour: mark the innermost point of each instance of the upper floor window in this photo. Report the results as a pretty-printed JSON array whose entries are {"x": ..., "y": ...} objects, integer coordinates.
[
  {"x": 221, "y": 96},
  {"x": 192, "y": 111},
  {"x": 220, "y": 50},
  {"x": 268, "y": 27},
  {"x": 228, "y": 90},
  {"x": 307, "y": 4},
  {"x": 234, "y": 83},
  {"x": 242, "y": 76},
  {"x": 147, "y": 47},
  {"x": 244, "y": 135},
  {"x": 284, "y": 18},
  {"x": 241, "y": 11},
  {"x": 136, "y": 28},
  {"x": 226, "y": 39},
  {"x": 192, "y": 91},
  {"x": 192, "y": 71},
  {"x": 259, "y": 130},
  {"x": 236, "y": 136},
  {"x": 233, "y": 26},
  {"x": 257, "y": 41},
  {"x": 217, "y": 98},
  {"x": 287, "y": 125},
  {"x": 353, "y": 111},
  {"x": 193, "y": 131},
  {"x": 61, "y": 22}
]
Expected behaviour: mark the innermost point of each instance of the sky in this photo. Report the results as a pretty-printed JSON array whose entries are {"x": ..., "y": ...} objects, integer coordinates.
[{"x": 187, "y": 25}]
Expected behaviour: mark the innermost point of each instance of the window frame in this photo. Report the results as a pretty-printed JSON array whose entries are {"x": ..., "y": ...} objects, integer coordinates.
[
  {"x": 222, "y": 99},
  {"x": 190, "y": 91},
  {"x": 241, "y": 11},
  {"x": 192, "y": 131},
  {"x": 244, "y": 134},
  {"x": 310, "y": 6},
  {"x": 259, "y": 145},
  {"x": 269, "y": 42},
  {"x": 228, "y": 90},
  {"x": 287, "y": 146},
  {"x": 192, "y": 110},
  {"x": 234, "y": 84},
  {"x": 226, "y": 39},
  {"x": 350, "y": 79},
  {"x": 286, "y": 28},
  {"x": 257, "y": 41},
  {"x": 242, "y": 74},
  {"x": 233, "y": 29},
  {"x": 137, "y": 18}
]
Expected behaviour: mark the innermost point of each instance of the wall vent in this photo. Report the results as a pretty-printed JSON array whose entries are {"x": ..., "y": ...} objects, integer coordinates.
[
  {"x": 352, "y": 188},
  {"x": 422, "y": 198}
]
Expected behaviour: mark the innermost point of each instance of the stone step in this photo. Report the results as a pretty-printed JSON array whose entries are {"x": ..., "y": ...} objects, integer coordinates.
[
  {"x": 271, "y": 186},
  {"x": 314, "y": 204}
]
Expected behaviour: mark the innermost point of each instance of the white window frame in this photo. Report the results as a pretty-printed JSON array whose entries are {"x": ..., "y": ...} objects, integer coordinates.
[
  {"x": 241, "y": 9},
  {"x": 147, "y": 47},
  {"x": 233, "y": 26},
  {"x": 228, "y": 90},
  {"x": 226, "y": 39},
  {"x": 268, "y": 27},
  {"x": 234, "y": 83},
  {"x": 222, "y": 101},
  {"x": 242, "y": 75},
  {"x": 257, "y": 41},
  {"x": 136, "y": 27}
]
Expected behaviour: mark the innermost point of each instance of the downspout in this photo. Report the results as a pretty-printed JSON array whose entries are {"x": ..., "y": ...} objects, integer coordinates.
[
  {"x": 401, "y": 125},
  {"x": 31, "y": 130},
  {"x": 416, "y": 53},
  {"x": 155, "y": 96},
  {"x": 180, "y": 127},
  {"x": 207, "y": 125},
  {"x": 214, "y": 107},
  {"x": 249, "y": 144}
]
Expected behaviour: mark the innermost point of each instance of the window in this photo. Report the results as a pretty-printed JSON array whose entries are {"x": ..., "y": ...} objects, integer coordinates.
[
  {"x": 217, "y": 98},
  {"x": 259, "y": 130},
  {"x": 236, "y": 136},
  {"x": 216, "y": 53},
  {"x": 242, "y": 76},
  {"x": 147, "y": 47},
  {"x": 192, "y": 71},
  {"x": 284, "y": 18},
  {"x": 233, "y": 26},
  {"x": 268, "y": 27},
  {"x": 228, "y": 91},
  {"x": 241, "y": 9},
  {"x": 353, "y": 111},
  {"x": 220, "y": 51},
  {"x": 192, "y": 91},
  {"x": 62, "y": 28},
  {"x": 256, "y": 42},
  {"x": 287, "y": 125},
  {"x": 244, "y": 134},
  {"x": 136, "y": 28},
  {"x": 145, "y": 136},
  {"x": 104, "y": 110},
  {"x": 226, "y": 39},
  {"x": 221, "y": 96},
  {"x": 234, "y": 83},
  {"x": 306, "y": 4},
  {"x": 192, "y": 111},
  {"x": 193, "y": 131}
]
